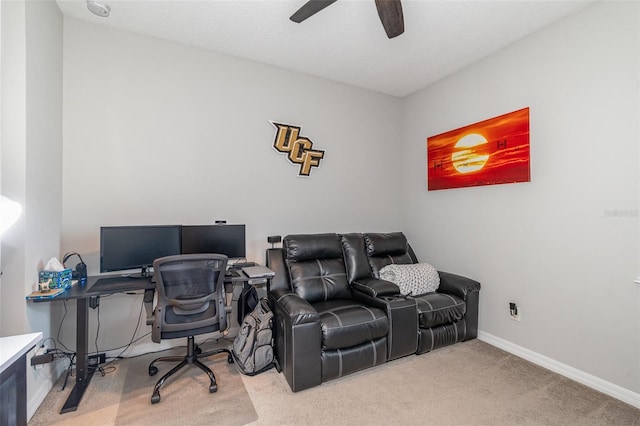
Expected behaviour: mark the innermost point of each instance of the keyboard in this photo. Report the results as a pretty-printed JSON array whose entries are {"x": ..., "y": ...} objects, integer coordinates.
[
  {"x": 240, "y": 265},
  {"x": 116, "y": 285}
]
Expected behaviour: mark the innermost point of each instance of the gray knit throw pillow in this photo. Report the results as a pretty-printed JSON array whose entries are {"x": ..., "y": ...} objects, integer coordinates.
[{"x": 415, "y": 279}]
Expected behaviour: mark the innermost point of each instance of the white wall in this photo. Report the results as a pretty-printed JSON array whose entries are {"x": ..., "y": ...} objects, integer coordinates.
[
  {"x": 13, "y": 162},
  {"x": 161, "y": 133},
  {"x": 151, "y": 127},
  {"x": 565, "y": 245},
  {"x": 31, "y": 167},
  {"x": 157, "y": 132}
]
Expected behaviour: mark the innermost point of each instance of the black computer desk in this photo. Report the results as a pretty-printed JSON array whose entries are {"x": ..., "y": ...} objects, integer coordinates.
[{"x": 88, "y": 295}]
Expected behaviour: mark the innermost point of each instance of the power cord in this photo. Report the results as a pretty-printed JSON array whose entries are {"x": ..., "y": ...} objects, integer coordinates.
[
  {"x": 60, "y": 327},
  {"x": 95, "y": 342},
  {"x": 59, "y": 353},
  {"x": 69, "y": 370},
  {"x": 56, "y": 353},
  {"x": 49, "y": 354},
  {"x": 106, "y": 367},
  {"x": 131, "y": 342}
]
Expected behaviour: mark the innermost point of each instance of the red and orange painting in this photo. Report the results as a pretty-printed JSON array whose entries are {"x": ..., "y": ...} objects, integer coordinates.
[{"x": 490, "y": 152}]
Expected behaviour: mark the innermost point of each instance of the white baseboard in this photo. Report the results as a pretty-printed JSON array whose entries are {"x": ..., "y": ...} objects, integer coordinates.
[
  {"x": 147, "y": 347},
  {"x": 613, "y": 390},
  {"x": 150, "y": 347},
  {"x": 38, "y": 398}
]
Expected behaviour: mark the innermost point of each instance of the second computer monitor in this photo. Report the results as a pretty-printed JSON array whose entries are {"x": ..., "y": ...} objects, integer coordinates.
[{"x": 223, "y": 239}]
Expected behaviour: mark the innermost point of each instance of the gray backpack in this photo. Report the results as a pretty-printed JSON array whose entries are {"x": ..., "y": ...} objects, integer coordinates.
[{"x": 253, "y": 346}]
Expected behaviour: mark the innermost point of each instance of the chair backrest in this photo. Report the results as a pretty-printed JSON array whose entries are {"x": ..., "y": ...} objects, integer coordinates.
[
  {"x": 316, "y": 267},
  {"x": 385, "y": 249},
  {"x": 191, "y": 296}
]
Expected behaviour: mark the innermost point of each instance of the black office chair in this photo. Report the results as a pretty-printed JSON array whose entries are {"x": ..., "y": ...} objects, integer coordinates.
[{"x": 191, "y": 301}]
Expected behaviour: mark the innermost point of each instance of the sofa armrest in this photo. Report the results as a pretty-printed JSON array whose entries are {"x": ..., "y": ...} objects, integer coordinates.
[
  {"x": 297, "y": 339},
  {"x": 457, "y": 285},
  {"x": 375, "y": 287},
  {"x": 468, "y": 290},
  {"x": 297, "y": 310}
]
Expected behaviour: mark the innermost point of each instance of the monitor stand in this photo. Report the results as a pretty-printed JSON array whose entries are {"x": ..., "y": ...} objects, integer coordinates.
[{"x": 144, "y": 273}]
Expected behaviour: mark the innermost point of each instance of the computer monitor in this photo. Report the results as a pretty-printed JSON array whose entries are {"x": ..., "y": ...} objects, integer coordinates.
[
  {"x": 222, "y": 239},
  {"x": 136, "y": 247}
]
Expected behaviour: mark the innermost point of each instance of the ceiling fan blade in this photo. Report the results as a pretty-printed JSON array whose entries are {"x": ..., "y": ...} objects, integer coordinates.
[
  {"x": 310, "y": 8},
  {"x": 390, "y": 12}
]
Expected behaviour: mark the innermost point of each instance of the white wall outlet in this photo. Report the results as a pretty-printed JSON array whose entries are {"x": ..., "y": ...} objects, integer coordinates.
[{"x": 515, "y": 311}]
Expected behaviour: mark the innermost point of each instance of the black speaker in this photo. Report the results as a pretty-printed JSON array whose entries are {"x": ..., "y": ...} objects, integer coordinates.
[{"x": 80, "y": 272}]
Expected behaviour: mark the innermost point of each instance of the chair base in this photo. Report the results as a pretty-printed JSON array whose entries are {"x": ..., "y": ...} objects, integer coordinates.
[{"x": 194, "y": 353}]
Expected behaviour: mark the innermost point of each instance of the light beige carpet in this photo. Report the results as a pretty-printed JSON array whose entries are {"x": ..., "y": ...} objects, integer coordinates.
[
  {"x": 123, "y": 396},
  {"x": 185, "y": 397},
  {"x": 472, "y": 383}
]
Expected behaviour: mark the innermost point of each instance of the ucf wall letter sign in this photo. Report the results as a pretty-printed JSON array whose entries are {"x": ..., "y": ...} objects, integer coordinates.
[{"x": 299, "y": 149}]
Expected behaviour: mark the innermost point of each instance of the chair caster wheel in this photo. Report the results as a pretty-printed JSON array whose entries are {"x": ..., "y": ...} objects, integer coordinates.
[
  {"x": 213, "y": 388},
  {"x": 230, "y": 359},
  {"x": 155, "y": 398},
  {"x": 153, "y": 370},
  {"x": 198, "y": 350}
]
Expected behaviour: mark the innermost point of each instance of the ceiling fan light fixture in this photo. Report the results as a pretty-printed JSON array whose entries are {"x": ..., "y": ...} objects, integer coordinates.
[{"x": 98, "y": 8}]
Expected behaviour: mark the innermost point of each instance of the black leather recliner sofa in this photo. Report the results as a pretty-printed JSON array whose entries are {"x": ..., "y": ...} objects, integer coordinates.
[{"x": 334, "y": 315}]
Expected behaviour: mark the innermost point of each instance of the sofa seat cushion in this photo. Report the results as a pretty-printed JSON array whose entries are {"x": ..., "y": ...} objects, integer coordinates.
[
  {"x": 439, "y": 308},
  {"x": 341, "y": 362},
  {"x": 346, "y": 323}
]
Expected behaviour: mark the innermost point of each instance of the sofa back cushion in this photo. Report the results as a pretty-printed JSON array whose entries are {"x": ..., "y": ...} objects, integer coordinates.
[
  {"x": 316, "y": 268},
  {"x": 355, "y": 257},
  {"x": 386, "y": 249}
]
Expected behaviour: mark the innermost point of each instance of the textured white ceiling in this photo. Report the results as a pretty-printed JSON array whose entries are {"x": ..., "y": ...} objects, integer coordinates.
[{"x": 344, "y": 42}]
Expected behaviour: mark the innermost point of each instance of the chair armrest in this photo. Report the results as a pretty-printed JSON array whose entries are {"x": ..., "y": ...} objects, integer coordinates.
[
  {"x": 148, "y": 305},
  {"x": 298, "y": 310},
  {"x": 457, "y": 285},
  {"x": 375, "y": 287}
]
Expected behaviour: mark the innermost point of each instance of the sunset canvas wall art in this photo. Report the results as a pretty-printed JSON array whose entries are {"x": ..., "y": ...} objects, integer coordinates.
[{"x": 490, "y": 152}]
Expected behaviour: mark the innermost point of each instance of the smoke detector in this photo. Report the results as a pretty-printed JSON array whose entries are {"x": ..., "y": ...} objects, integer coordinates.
[{"x": 98, "y": 8}]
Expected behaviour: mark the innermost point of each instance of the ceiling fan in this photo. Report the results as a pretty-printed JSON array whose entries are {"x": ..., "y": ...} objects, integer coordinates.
[{"x": 390, "y": 12}]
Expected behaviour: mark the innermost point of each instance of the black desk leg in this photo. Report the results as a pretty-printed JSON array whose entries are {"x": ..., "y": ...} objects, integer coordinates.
[{"x": 83, "y": 372}]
